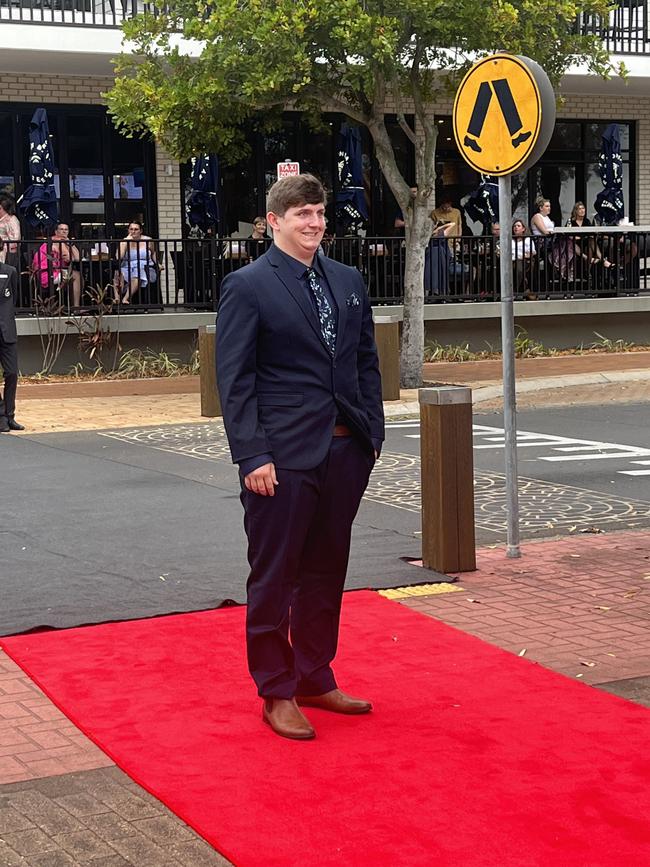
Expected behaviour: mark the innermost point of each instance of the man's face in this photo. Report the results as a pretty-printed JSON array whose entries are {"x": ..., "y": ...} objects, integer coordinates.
[
  {"x": 299, "y": 231},
  {"x": 445, "y": 207}
]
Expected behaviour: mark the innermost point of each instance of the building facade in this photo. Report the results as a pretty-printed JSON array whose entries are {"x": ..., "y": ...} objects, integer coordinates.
[{"x": 105, "y": 180}]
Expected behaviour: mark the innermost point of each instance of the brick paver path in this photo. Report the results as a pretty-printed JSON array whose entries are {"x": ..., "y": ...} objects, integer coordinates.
[{"x": 579, "y": 605}]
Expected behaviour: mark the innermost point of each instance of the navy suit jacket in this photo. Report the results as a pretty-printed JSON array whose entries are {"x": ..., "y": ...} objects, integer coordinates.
[
  {"x": 8, "y": 298},
  {"x": 280, "y": 387}
]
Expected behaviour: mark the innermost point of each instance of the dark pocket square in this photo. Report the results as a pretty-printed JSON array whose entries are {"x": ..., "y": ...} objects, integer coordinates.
[{"x": 353, "y": 300}]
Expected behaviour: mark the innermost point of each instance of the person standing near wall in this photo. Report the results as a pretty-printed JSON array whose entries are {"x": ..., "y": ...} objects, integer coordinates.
[
  {"x": 9, "y": 232},
  {"x": 8, "y": 347}
]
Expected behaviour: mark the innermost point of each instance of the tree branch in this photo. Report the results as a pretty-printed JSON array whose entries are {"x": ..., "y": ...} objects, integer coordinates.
[{"x": 399, "y": 105}]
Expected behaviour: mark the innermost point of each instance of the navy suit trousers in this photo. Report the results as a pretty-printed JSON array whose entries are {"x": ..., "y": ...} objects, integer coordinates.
[
  {"x": 298, "y": 549},
  {"x": 9, "y": 364}
]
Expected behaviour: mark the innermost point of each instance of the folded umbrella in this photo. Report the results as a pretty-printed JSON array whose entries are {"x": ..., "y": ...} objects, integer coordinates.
[
  {"x": 351, "y": 206},
  {"x": 38, "y": 204}
]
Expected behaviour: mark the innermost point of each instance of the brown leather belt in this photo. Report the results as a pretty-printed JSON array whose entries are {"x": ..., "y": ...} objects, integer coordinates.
[{"x": 341, "y": 430}]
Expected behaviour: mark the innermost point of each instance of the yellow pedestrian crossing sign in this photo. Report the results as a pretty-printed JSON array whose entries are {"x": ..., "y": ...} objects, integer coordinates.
[{"x": 504, "y": 114}]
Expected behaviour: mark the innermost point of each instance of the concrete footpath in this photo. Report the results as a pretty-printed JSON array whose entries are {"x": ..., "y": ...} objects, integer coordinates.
[
  {"x": 94, "y": 405},
  {"x": 579, "y": 605}
]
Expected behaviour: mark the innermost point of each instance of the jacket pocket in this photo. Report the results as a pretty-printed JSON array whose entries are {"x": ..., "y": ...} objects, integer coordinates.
[{"x": 279, "y": 398}]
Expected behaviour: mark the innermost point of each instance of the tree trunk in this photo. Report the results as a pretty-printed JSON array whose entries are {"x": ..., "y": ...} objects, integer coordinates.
[{"x": 418, "y": 234}]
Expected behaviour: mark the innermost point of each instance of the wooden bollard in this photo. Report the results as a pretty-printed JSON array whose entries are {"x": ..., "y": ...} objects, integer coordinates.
[
  {"x": 210, "y": 403},
  {"x": 387, "y": 340},
  {"x": 447, "y": 468}
]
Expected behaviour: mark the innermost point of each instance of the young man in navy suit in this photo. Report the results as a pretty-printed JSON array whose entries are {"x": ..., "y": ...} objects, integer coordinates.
[
  {"x": 300, "y": 390},
  {"x": 8, "y": 347}
]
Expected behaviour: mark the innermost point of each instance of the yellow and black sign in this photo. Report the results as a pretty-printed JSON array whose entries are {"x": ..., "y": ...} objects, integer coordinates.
[{"x": 504, "y": 114}]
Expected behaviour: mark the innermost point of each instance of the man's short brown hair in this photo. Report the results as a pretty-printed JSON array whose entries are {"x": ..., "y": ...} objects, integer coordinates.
[{"x": 294, "y": 191}]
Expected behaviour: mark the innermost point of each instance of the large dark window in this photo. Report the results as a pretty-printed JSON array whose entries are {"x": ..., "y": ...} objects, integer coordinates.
[
  {"x": 85, "y": 175},
  {"x": 7, "y": 181},
  {"x": 244, "y": 185},
  {"x": 103, "y": 180},
  {"x": 131, "y": 181},
  {"x": 566, "y": 174}
]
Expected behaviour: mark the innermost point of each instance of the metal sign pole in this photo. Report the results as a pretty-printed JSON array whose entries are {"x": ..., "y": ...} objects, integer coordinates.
[
  {"x": 505, "y": 93},
  {"x": 508, "y": 351}
]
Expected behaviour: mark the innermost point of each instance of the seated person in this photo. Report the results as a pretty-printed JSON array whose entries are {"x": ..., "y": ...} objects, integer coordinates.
[
  {"x": 446, "y": 213},
  {"x": 562, "y": 252},
  {"x": 487, "y": 263},
  {"x": 258, "y": 241},
  {"x": 138, "y": 265},
  {"x": 523, "y": 251},
  {"x": 57, "y": 264},
  {"x": 590, "y": 251},
  {"x": 438, "y": 260}
]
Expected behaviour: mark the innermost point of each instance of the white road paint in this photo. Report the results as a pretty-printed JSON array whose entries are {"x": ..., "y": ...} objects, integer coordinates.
[{"x": 563, "y": 449}]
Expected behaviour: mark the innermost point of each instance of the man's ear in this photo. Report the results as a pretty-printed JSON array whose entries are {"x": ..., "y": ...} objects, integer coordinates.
[{"x": 272, "y": 220}]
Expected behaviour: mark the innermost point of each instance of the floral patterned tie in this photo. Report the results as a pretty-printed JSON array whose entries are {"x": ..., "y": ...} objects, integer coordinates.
[{"x": 325, "y": 313}]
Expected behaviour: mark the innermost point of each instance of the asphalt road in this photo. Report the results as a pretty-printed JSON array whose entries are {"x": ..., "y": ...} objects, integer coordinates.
[
  {"x": 599, "y": 448},
  {"x": 109, "y": 525},
  {"x": 100, "y": 527}
]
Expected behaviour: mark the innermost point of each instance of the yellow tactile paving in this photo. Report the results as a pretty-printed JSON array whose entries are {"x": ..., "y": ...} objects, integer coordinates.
[{"x": 419, "y": 590}]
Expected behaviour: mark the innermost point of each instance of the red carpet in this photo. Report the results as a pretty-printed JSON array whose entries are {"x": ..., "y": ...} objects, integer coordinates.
[{"x": 472, "y": 756}]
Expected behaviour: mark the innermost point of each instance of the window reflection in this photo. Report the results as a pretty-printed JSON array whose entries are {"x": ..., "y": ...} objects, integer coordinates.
[{"x": 129, "y": 186}]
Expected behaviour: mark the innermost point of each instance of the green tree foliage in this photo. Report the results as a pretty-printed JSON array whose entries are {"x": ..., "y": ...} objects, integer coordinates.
[{"x": 200, "y": 72}]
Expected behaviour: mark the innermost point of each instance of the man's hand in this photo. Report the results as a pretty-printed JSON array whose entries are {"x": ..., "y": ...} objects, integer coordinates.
[{"x": 262, "y": 481}]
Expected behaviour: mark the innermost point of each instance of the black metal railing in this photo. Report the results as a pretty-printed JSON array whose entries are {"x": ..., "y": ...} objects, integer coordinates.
[
  {"x": 186, "y": 274},
  {"x": 624, "y": 30},
  {"x": 74, "y": 13}
]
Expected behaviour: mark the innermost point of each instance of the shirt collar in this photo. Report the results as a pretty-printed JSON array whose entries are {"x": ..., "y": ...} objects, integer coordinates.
[{"x": 297, "y": 268}]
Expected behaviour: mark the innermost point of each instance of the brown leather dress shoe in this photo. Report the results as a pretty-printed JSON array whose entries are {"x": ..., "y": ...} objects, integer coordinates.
[
  {"x": 285, "y": 718},
  {"x": 336, "y": 701}
]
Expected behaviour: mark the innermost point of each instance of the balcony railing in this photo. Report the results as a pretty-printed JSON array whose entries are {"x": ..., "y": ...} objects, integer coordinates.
[
  {"x": 179, "y": 275},
  {"x": 624, "y": 30},
  {"x": 73, "y": 13}
]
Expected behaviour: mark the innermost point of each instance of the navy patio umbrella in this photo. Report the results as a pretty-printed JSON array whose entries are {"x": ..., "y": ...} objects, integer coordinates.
[
  {"x": 38, "y": 204},
  {"x": 351, "y": 206},
  {"x": 609, "y": 203},
  {"x": 482, "y": 206},
  {"x": 202, "y": 207}
]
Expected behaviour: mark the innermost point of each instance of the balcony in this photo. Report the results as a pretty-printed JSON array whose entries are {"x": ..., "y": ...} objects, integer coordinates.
[
  {"x": 72, "y": 13},
  {"x": 624, "y": 31}
]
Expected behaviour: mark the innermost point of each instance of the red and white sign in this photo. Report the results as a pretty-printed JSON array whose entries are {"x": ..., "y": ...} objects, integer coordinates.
[{"x": 286, "y": 169}]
